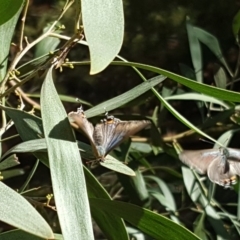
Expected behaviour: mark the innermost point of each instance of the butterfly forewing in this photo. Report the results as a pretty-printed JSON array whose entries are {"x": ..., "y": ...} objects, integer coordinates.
[
  {"x": 110, "y": 133},
  {"x": 222, "y": 165},
  {"x": 199, "y": 160},
  {"x": 81, "y": 121}
]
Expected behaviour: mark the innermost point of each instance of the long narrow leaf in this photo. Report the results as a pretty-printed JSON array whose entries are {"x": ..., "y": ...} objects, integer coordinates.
[
  {"x": 195, "y": 50},
  {"x": 18, "y": 212},
  {"x": 7, "y": 30},
  {"x": 198, "y": 87},
  {"x": 147, "y": 221},
  {"x": 125, "y": 97},
  {"x": 65, "y": 165}
]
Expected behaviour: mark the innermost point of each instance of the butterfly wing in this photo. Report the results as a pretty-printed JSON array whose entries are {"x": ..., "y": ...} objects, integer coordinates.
[
  {"x": 199, "y": 160},
  {"x": 223, "y": 178},
  {"x": 222, "y": 165},
  {"x": 110, "y": 133},
  {"x": 80, "y": 120}
]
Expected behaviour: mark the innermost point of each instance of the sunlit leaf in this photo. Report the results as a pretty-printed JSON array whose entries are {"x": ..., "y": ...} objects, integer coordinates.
[
  {"x": 18, "y": 212},
  {"x": 103, "y": 23},
  {"x": 154, "y": 225},
  {"x": 68, "y": 180}
]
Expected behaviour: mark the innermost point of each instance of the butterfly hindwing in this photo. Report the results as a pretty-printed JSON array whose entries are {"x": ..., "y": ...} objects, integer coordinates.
[{"x": 217, "y": 175}]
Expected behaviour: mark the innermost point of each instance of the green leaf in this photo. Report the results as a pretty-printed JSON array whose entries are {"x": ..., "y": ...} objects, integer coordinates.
[
  {"x": 212, "y": 43},
  {"x": 141, "y": 147},
  {"x": 103, "y": 23},
  {"x": 193, "y": 188},
  {"x": 166, "y": 104},
  {"x": 12, "y": 173},
  {"x": 18, "y": 212},
  {"x": 8, "y": 9},
  {"x": 198, "y": 87},
  {"x": 18, "y": 234},
  {"x": 125, "y": 97},
  {"x": 197, "y": 195},
  {"x": 199, "y": 228},
  {"x": 220, "y": 78},
  {"x": 195, "y": 50},
  {"x": 11, "y": 161},
  {"x": 68, "y": 180},
  {"x": 39, "y": 145},
  {"x": 48, "y": 44},
  {"x": 7, "y": 30},
  {"x": 135, "y": 187},
  {"x": 169, "y": 201},
  {"x": 198, "y": 97},
  {"x": 30, "y": 131},
  {"x": 117, "y": 166},
  {"x": 29, "y": 67},
  {"x": 155, "y": 225},
  {"x": 112, "y": 226},
  {"x": 236, "y": 25},
  {"x": 36, "y": 145},
  {"x": 28, "y": 126}
]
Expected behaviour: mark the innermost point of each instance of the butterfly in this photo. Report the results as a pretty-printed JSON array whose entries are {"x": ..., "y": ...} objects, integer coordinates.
[
  {"x": 221, "y": 165},
  {"x": 108, "y": 134}
]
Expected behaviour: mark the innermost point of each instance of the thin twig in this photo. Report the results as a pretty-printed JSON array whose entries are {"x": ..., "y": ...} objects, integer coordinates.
[
  {"x": 30, "y": 45},
  {"x": 23, "y": 94},
  {"x": 23, "y": 25}
]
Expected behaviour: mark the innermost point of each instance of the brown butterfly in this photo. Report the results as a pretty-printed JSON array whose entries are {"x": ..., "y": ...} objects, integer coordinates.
[
  {"x": 221, "y": 165},
  {"x": 108, "y": 134}
]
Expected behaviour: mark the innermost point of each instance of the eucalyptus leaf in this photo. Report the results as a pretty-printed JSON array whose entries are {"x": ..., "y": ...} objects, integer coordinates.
[
  {"x": 198, "y": 97},
  {"x": 112, "y": 226},
  {"x": 9, "y": 9},
  {"x": 196, "y": 193},
  {"x": 164, "y": 189},
  {"x": 198, "y": 87},
  {"x": 236, "y": 25},
  {"x": 103, "y": 23},
  {"x": 48, "y": 44},
  {"x": 220, "y": 78},
  {"x": 115, "y": 165},
  {"x": 212, "y": 43},
  {"x": 195, "y": 50},
  {"x": 12, "y": 173},
  {"x": 11, "y": 161},
  {"x": 18, "y": 212},
  {"x": 124, "y": 98},
  {"x": 154, "y": 225},
  {"x": 65, "y": 165}
]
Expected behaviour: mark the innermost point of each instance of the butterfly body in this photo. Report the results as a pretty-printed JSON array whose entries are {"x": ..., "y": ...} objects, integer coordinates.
[
  {"x": 221, "y": 165},
  {"x": 108, "y": 134}
]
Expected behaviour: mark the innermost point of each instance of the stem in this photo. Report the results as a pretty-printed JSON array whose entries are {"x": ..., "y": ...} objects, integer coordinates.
[
  {"x": 23, "y": 25},
  {"x": 29, "y": 46}
]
